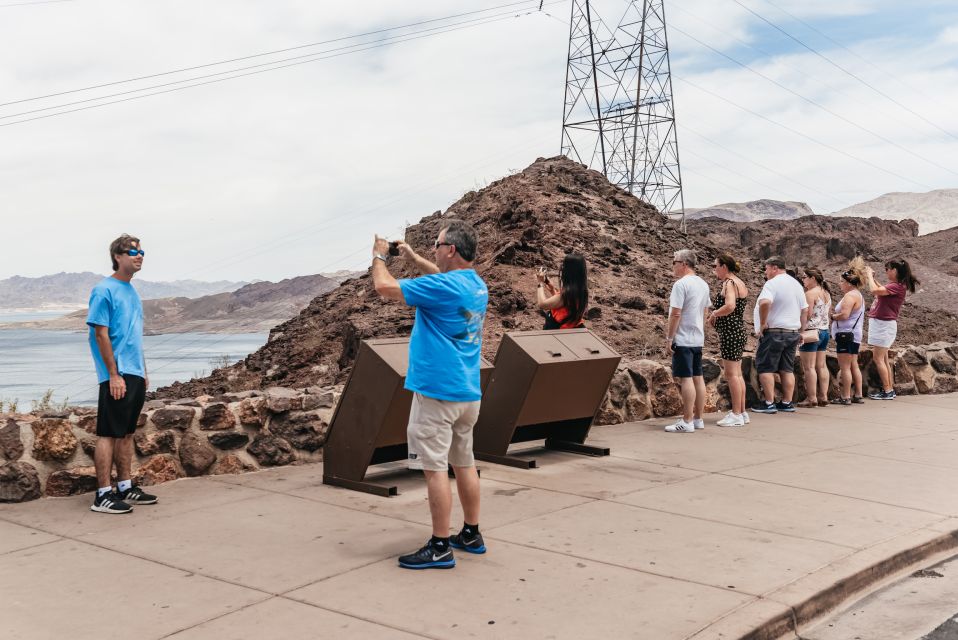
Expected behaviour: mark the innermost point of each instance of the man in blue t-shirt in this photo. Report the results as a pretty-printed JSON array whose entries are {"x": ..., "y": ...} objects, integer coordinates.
[
  {"x": 443, "y": 374},
  {"x": 115, "y": 318}
]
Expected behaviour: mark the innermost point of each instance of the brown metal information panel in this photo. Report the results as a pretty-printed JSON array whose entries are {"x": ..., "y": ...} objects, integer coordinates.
[
  {"x": 546, "y": 385},
  {"x": 369, "y": 424}
]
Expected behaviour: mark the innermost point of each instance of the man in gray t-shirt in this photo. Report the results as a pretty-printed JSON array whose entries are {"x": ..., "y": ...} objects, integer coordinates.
[{"x": 686, "y": 337}]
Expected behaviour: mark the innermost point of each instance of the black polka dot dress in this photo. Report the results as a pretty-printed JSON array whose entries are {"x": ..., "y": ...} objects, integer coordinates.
[{"x": 731, "y": 328}]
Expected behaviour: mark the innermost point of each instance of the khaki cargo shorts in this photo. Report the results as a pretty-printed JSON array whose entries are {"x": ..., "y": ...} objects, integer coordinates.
[{"x": 440, "y": 433}]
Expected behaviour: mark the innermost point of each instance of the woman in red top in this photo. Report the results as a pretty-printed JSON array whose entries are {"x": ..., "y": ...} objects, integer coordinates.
[
  {"x": 883, "y": 318},
  {"x": 566, "y": 305}
]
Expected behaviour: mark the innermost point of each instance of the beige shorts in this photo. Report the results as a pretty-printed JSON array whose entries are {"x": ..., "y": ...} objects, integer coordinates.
[{"x": 440, "y": 433}]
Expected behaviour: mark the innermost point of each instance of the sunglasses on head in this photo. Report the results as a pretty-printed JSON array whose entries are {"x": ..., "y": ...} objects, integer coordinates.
[{"x": 135, "y": 252}]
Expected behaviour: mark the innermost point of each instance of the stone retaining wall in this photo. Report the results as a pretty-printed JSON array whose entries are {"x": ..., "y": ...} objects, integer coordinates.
[{"x": 51, "y": 454}]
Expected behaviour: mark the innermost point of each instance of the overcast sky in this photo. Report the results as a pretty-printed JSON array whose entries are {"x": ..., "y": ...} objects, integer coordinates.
[{"x": 290, "y": 172}]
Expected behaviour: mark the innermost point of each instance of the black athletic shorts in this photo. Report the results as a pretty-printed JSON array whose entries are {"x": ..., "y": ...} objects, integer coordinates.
[
  {"x": 686, "y": 362},
  {"x": 776, "y": 352},
  {"x": 117, "y": 418}
]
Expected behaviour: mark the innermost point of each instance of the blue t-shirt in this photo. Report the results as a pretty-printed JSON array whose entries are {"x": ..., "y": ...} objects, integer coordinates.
[
  {"x": 116, "y": 304},
  {"x": 447, "y": 337}
]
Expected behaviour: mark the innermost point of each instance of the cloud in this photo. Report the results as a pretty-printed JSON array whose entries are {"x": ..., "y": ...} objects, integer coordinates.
[{"x": 292, "y": 171}]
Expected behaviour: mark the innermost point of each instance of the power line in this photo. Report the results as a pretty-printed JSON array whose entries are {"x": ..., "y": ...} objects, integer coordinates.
[
  {"x": 265, "y": 53},
  {"x": 803, "y": 135},
  {"x": 273, "y": 66},
  {"x": 843, "y": 69},
  {"x": 815, "y": 103},
  {"x": 844, "y": 48}
]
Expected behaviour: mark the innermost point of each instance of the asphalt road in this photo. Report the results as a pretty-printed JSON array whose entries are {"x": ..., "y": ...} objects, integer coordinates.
[{"x": 921, "y": 606}]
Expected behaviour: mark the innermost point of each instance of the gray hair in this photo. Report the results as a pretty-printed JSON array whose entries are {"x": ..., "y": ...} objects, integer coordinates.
[
  {"x": 462, "y": 235},
  {"x": 775, "y": 261},
  {"x": 685, "y": 255}
]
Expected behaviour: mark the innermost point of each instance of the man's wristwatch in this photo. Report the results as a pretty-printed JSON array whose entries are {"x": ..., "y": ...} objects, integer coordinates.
[{"x": 379, "y": 256}]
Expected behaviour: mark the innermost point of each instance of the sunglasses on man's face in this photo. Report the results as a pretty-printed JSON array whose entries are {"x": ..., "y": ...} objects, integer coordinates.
[
  {"x": 135, "y": 252},
  {"x": 443, "y": 244}
]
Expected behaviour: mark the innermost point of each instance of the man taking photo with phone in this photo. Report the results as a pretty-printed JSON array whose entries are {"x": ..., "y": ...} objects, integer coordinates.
[{"x": 443, "y": 374}]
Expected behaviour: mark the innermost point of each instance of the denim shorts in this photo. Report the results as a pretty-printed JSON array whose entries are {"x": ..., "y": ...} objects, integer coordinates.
[{"x": 821, "y": 345}]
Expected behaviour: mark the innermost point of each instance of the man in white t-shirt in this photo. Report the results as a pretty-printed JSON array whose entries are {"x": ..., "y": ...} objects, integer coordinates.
[
  {"x": 782, "y": 311},
  {"x": 685, "y": 339}
]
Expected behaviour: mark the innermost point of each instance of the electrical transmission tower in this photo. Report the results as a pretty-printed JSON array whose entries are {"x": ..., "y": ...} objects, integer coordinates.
[{"x": 619, "y": 116}]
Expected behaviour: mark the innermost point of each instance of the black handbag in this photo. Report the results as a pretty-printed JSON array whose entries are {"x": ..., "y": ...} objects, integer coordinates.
[{"x": 845, "y": 338}]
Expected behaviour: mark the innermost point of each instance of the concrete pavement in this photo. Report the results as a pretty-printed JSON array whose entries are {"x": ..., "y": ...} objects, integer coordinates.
[{"x": 725, "y": 533}]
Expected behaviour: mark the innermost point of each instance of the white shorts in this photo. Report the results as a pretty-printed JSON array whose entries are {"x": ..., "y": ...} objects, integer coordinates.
[
  {"x": 881, "y": 333},
  {"x": 440, "y": 433}
]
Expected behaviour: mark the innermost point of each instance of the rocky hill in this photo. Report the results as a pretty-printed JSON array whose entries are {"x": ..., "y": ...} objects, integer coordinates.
[
  {"x": 72, "y": 289},
  {"x": 751, "y": 211},
  {"x": 524, "y": 221},
  {"x": 934, "y": 211},
  {"x": 256, "y": 307}
]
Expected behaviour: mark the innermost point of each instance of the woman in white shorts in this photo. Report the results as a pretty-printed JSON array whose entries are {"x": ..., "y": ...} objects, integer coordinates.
[{"x": 883, "y": 318}]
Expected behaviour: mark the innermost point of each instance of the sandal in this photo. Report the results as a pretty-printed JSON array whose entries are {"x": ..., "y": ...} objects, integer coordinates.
[
  {"x": 823, "y": 403},
  {"x": 807, "y": 404},
  {"x": 842, "y": 401}
]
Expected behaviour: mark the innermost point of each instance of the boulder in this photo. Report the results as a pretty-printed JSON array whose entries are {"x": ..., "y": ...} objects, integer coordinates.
[
  {"x": 11, "y": 446},
  {"x": 318, "y": 399},
  {"x": 914, "y": 356},
  {"x": 711, "y": 370},
  {"x": 53, "y": 439},
  {"x": 664, "y": 396},
  {"x": 88, "y": 424},
  {"x": 945, "y": 384},
  {"x": 252, "y": 412},
  {"x": 303, "y": 430},
  {"x": 609, "y": 414},
  {"x": 217, "y": 417},
  {"x": 19, "y": 482},
  {"x": 228, "y": 439},
  {"x": 231, "y": 464},
  {"x": 924, "y": 379},
  {"x": 943, "y": 363},
  {"x": 196, "y": 454},
  {"x": 70, "y": 482},
  {"x": 150, "y": 444},
  {"x": 173, "y": 418},
  {"x": 88, "y": 445},
  {"x": 281, "y": 399},
  {"x": 271, "y": 451},
  {"x": 159, "y": 468}
]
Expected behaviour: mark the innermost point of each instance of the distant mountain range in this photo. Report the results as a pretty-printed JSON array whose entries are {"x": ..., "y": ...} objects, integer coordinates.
[
  {"x": 752, "y": 211},
  {"x": 255, "y": 307},
  {"x": 933, "y": 211},
  {"x": 73, "y": 289}
]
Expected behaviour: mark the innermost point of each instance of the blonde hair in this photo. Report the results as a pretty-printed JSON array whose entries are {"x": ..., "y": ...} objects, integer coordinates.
[{"x": 856, "y": 269}]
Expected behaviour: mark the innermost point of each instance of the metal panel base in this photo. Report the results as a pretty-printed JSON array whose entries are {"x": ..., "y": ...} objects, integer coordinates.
[
  {"x": 575, "y": 447},
  {"x": 360, "y": 485},
  {"x": 508, "y": 461}
]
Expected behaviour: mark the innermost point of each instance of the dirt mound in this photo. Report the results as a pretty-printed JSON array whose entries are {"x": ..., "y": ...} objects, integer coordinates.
[{"x": 524, "y": 221}]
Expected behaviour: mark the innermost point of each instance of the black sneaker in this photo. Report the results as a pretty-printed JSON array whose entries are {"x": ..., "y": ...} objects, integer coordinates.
[
  {"x": 136, "y": 495},
  {"x": 473, "y": 544},
  {"x": 890, "y": 395},
  {"x": 765, "y": 407},
  {"x": 428, "y": 558},
  {"x": 857, "y": 400},
  {"x": 110, "y": 503},
  {"x": 787, "y": 407}
]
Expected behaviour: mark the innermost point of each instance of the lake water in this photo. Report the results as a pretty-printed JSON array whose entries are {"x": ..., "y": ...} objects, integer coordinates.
[{"x": 31, "y": 362}]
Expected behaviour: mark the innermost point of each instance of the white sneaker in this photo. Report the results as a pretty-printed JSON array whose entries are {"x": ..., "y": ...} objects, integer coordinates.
[
  {"x": 732, "y": 420},
  {"x": 681, "y": 426},
  {"x": 745, "y": 417},
  {"x": 698, "y": 423}
]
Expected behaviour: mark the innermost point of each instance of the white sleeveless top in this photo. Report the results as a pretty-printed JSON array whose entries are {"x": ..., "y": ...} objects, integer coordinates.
[{"x": 853, "y": 323}]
